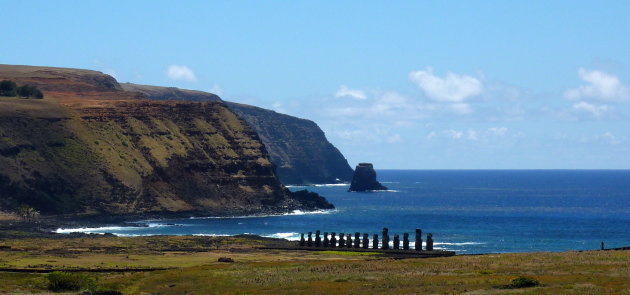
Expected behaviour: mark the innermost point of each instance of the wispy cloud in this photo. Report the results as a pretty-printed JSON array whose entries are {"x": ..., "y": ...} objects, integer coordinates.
[
  {"x": 216, "y": 89},
  {"x": 180, "y": 72},
  {"x": 599, "y": 85},
  {"x": 498, "y": 131},
  {"x": 451, "y": 88},
  {"x": 344, "y": 91},
  {"x": 470, "y": 134},
  {"x": 596, "y": 110}
]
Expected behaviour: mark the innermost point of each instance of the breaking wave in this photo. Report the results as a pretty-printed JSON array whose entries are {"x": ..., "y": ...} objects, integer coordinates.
[
  {"x": 288, "y": 236},
  {"x": 292, "y": 213},
  {"x": 319, "y": 185},
  {"x": 105, "y": 229},
  {"x": 457, "y": 244}
]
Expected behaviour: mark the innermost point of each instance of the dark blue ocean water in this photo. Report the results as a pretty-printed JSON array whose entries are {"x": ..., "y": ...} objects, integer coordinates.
[{"x": 469, "y": 211}]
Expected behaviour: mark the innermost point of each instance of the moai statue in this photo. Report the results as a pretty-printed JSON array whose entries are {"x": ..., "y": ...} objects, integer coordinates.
[
  {"x": 349, "y": 241},
  {"x": 342, "y": 243},
  {"x": 326, "y": 242},
  {"x": 429, "y": 242},
  {"x": 385, "y": 245},
  {"x": 396, "y": 242},
  {"x": 333, "y": 240},
  {"x": 406, "y": 241},
  {"x": 302, "y": 241},
  {"x": 357, "y": 239},
  {"x": 375, "y": 241},
  {"x": 318, "y": 240},
  {"x": 309, "y": 242},
  {"x": 366, "y": 241},
  {"x": 418, "y": 239}
]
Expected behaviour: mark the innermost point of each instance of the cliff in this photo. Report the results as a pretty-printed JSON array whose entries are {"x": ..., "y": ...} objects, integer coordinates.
[
  {"x": 170, "y": 93},
  {"x": 91, "y": 147},
  {"x": 364, "y": 179},
  {"x": 297, "y": 146}
]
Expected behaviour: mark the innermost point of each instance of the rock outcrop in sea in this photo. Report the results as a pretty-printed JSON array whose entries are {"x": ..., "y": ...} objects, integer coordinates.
[{"x": 364, "y": 179}]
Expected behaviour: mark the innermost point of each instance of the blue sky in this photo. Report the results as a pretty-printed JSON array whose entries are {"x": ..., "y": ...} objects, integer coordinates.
[{"x": 402, "y": 84}]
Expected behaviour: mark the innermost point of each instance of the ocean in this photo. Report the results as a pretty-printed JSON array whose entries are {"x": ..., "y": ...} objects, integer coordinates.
[{"x": 467, "y": 211}]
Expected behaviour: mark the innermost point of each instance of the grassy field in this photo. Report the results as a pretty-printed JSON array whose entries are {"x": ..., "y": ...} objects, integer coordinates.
[{"x": 192, "y": 268}]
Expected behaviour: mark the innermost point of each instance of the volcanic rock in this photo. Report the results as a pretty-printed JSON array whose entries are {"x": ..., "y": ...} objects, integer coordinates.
[{"x": 364, "y": 179}]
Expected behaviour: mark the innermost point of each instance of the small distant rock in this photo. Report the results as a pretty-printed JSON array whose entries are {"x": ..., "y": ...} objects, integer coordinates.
[
  {"x": 364, "y": 179},
  {"x": 225, "y": 259}
]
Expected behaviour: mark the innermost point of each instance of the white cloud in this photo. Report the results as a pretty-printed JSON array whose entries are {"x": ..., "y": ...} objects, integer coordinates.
[
  {"x": 498, "y": 131},
  {"x": 216, "y": 89},
  {"x": 482, "y": 136},
  {"x": 179, "y": 72},
  {"x": 452, "y": 88},
  {"x": 278, "y": 107},
  {"x": 111, "y": 72},
  {"x": 606, "y": 137},
  {"x": 373, "y": 134},
  {"x": 600, "y": 85},
  {"x": 391, "y": 106},
  {"x": 461, "y": 108},
  {"x": 454, "y": 134},
  {"x": 394, "y": 138},
  {"x": 597, "y": 111},
  {"x": 611, "y": 138},
  {"x": 344, "y": 91}
]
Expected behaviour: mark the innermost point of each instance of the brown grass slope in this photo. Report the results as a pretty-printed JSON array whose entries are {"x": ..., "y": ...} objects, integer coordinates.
[
  {"x": 170, "y": 93},
  {"x": 91, "y": 147}
]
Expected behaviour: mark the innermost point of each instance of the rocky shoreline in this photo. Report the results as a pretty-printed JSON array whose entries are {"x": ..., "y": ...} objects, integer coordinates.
[{"x": 45, "y": 226}]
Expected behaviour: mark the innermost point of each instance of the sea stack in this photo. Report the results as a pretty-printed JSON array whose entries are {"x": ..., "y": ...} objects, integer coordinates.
[{"x": 364, "y": 179}]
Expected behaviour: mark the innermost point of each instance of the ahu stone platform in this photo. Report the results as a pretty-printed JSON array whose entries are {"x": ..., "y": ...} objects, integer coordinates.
[{"x": 363, "y": 243}]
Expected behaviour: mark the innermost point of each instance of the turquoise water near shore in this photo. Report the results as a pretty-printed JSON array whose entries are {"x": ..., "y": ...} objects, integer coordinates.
[{"x": 468, "y": 211}]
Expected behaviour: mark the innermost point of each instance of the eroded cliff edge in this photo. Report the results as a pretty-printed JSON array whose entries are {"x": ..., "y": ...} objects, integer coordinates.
[
  {"x": 91, "y": 147},
  {"x": 298, "y": 147}
]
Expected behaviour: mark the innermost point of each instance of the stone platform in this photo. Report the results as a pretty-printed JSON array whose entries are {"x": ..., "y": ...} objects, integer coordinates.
[{"x": 389, "y": 253}]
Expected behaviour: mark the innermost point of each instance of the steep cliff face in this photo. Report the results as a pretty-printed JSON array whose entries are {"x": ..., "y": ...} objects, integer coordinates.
[
  {"x": 91, "y": 147},
  {"x": 297, "y": 146}
]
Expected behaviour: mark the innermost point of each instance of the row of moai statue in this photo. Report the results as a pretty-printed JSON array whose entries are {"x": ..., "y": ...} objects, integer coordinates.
[{"x": 346, "y": 241}]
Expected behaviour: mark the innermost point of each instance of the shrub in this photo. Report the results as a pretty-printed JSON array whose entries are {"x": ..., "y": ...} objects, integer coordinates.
[
  {"x": 29, "y": 91},
  {"x": 65, "y": 281},
  {"x": 27, "y": 212},
  {"x": 523, "y": 282},
  {"x": 8, "y": 88}
]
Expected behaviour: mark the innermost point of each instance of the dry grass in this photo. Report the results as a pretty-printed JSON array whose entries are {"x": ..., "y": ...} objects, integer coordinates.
[{"x": 195, "y": 270}]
